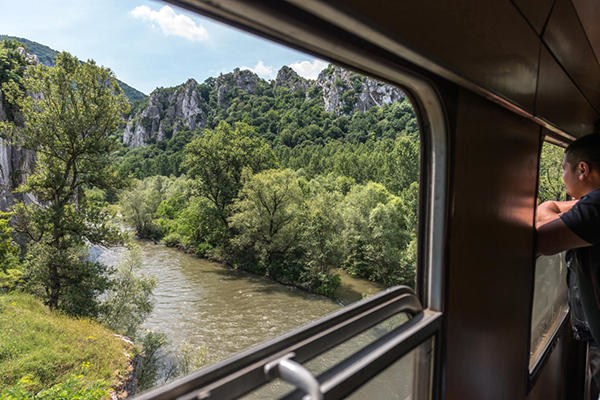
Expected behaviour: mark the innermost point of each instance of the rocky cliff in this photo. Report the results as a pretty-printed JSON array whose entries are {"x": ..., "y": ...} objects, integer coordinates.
[
  {"x": 189, "y": 106},
  {"x": 345, "y": 92},
  {"x": 15, "y": 164},
  {"x": 167, "y": 111}
]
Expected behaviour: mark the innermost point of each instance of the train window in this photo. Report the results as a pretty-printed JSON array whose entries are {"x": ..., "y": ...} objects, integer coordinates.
[
  {"x": 550, "y": 291},
  {"x": 266, "y": 199}
]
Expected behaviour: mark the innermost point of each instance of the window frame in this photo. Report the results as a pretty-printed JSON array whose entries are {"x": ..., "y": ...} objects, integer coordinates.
[
  {"x": 535, "y": 369},
  {"x": 349, "y": 48}
]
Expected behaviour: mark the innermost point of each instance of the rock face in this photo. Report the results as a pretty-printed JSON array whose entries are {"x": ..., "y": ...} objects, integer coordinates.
[
  {"x": 346, "y": 92},
  {"x": 189, "y": 105},
  {"x": 15, "y": 163},
  {"x": 227, "y": 85},
  {"x": 288, "y": 78},
  {"x": 167, "y": 111}
]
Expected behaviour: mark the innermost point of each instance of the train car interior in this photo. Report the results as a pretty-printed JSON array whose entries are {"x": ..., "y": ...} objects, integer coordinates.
[{"x": 492, "y": 83}]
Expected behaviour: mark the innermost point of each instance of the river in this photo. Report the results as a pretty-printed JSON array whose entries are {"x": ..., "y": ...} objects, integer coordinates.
[{"x": 212, "y": 311}]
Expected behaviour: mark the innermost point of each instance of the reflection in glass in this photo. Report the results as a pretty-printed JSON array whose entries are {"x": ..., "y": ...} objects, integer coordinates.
[
  {"x": 549, "y": 302},
  {"x": 409, "y": 378},
  {"x": 332, "y": 357}
]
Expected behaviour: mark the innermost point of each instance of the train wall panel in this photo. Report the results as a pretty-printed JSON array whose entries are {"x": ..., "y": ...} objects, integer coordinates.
[
  {"x": 488, "y": 43},
  {"x": 556, "y": 382},
  {"x": 535, "y": 11},
  {"x": 492, "y": 208},
  {"x": 567, "y": 41},
  {"x": 559, "y": 100},
  {"x": 589, "y": 15}
]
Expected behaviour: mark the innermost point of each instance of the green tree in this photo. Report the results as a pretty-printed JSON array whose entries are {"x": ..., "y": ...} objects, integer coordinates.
[
  {"x": 378, "y": 234},
  {"x": 217, "y": 158},
  {"x": 277, "y": 232},
  {"x": 140, "y": 204},
  {"x": 129, "y": 301},
  {"x": 12, "y": 67},
  {"x": 266, "y": 220},
  {"x": 551, "y": 186},
  {"x": 10, "y": 268},
  {"x": 71, "y": 119}
]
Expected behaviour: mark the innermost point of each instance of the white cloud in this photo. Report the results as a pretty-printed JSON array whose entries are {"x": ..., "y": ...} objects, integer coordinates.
[
  {"x": 309, "y": 69},
  {"x": 262, "y": 70},
  {"x": 171, "y": 23}
]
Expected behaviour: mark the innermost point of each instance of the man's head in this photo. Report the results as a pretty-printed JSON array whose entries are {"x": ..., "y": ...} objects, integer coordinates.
[{"x": 581, "y": 166}]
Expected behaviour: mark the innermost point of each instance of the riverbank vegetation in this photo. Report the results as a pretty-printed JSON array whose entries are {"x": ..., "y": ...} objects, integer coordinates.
[{"x": 238, "y": 203}]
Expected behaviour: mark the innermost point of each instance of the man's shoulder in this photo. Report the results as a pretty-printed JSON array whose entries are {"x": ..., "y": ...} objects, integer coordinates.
[
  {"x": 593, "y": 196},
  {"x": 583, "y": 218}
]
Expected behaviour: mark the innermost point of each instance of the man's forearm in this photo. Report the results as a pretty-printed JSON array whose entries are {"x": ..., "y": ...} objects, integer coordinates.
[{"x": 551, "y": 210}]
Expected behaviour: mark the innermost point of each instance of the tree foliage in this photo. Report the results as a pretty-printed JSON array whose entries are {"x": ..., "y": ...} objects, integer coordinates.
[
  {"x": 71, "y": 118},
  {"x": 217, "y": 158},
  {"x": 129, "y": 300},
  {"x": 551, "y": 186}
]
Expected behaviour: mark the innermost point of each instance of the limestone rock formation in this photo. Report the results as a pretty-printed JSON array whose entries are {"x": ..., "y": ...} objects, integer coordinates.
[
  {"x": 345, "y": 91},
  {"x": 168, "y": 111},
  {"x": 288, "y": 78},
  {"x": 191, "y": 106},
  {"x": 227, "y": 85}
]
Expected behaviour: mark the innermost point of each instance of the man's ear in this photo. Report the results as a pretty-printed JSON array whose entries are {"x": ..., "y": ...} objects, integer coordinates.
[{"x": 583, "y": 170}]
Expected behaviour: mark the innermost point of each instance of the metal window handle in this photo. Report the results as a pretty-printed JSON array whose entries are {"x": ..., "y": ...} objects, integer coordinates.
[{"x": 295, "y": 374}]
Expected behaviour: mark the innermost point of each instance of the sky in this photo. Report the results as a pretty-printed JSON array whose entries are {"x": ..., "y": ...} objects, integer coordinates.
[{"x": 148, "y": 44}]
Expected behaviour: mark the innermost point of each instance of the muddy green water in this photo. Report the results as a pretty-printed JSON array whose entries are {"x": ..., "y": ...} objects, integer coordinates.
[{"x": 206, "y": 308}]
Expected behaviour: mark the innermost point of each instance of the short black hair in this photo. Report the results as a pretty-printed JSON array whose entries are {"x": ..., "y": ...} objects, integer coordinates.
[{"x": 586, "y": 148}]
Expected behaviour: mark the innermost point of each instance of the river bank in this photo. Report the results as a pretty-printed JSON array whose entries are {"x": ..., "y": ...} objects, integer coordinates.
[{"x": 211, "y": 311}]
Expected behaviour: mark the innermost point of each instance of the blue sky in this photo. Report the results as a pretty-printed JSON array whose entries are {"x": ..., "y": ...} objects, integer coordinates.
[{"x": 148, "y": 44}]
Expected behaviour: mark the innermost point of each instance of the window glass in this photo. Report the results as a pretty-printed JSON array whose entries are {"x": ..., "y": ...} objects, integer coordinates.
[
  {"x": 408, "y": 378},
  {"x": 260, "y": 192},
  {"x": 385, "y": 382},
  {"x": 550, "y": 291}
]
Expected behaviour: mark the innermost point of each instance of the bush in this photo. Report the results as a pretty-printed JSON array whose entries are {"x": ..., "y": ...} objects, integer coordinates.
[{"x": 173, "y": 239}]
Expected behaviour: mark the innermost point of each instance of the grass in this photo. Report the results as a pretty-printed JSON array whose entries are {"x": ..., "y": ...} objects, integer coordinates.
[{"x": 45, "y": 354}]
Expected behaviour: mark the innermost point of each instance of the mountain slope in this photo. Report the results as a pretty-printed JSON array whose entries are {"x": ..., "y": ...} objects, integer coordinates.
[
  {"x": 289, "y": 109},
  {"x": 46, "y": 56}
]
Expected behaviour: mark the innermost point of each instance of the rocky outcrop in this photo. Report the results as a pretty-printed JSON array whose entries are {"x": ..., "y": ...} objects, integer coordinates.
[
  {"x": 288, "y": 78},
  {"x": 15, "y": 164},
  {"x": 189, "y": 105},
  {"x": 346, "y": 92},
  {"x": 167, "y": 112},
  {"x": 228, "y": 85}
]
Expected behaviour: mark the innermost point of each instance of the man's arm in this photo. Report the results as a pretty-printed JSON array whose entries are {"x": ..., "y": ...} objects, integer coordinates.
[
  {"x": 551, "y": 210},
  {"x": 553, "y": 235}
]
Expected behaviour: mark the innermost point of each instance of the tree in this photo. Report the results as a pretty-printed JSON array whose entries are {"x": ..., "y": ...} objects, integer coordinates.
[
  {"x": 551, "y": 186},
  {"x": 12, "y": 67},
  {"x": 129, "y": 300},
  {"x": 71, "y": 119},
  {"x": 266, "y": 220},
  {"x": 217, "y": 158},
  {"x": 277, "y": 231},
  {"x": 379, "y": 238},
  {"x": 140, "y": 204},
  {"x": 10, "y": 268}
]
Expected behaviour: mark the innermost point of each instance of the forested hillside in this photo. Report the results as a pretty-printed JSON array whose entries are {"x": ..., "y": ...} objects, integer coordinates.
[
  {"x": 47, "y": 56},
  {"x": 288, "y": 178}
]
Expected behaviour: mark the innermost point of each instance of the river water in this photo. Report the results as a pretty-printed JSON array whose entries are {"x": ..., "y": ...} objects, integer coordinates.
[{"x": 213, "y": 311}]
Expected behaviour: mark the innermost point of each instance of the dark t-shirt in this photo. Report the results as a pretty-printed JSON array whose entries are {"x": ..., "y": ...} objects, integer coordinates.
[{"x": 584, "y": 266}]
